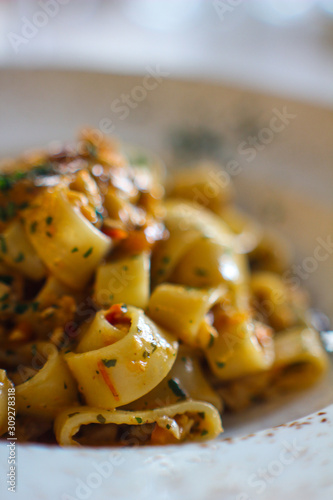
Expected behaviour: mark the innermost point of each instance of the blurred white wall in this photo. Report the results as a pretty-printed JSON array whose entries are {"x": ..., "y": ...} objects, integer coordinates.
[{"x": 278, "y": 46}]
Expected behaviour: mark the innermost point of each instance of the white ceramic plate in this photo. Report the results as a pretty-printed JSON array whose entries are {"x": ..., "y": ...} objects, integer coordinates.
[{"x": 286, "y": 181}]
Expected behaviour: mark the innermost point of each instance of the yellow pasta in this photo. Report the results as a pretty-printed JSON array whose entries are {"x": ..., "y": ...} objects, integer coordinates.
[
  {"x": 19, "y": 254},
  {"x": 208, "y": 263},
  {"x": 127, "y": 367},
  {"x": 125, "y": 280},
  {"x": 299, "y": 361},
  {"x": 43, "y": 382},
  {"x": 299, "y": 358},
  {"x": 186, "y": 224},
  {"x": 238, "y": 351},
  {"x": 189, "y": 420},
  {"x": 69, "y": 245},
  {"x": 182, "y": 310},
  {"x": 186, "y": 380},
  {"x": 134, "y": 307},
  {"x": 207, "y": 185},
  {"x": 274, "y": 301}
]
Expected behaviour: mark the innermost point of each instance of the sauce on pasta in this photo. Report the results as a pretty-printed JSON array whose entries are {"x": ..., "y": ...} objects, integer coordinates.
[{"x": 134, "y": 310}]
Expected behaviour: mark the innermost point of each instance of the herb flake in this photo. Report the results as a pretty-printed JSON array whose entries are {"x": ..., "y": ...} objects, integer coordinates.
[
  {"x": 176, "y": 389},
  {"x": 6, "y": 279},
  {"x": 33, "y": 227},
  {"x": 88, "y": 252},
  {"x": 72, "y": 414},
  {"x": 19, "y": 258},
  {"x": 109, "y": 362},
  {"x": 100, "y": 418},
  {"x": 199, "y": 271},
  {"x": 220, "y": 364}
]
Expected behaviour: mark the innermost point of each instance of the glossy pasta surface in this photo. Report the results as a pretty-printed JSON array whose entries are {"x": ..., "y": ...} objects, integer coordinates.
[{"x": 135, "y": 309}]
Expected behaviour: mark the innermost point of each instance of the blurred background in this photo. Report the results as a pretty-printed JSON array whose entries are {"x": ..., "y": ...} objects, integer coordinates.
[
  {"x": 266, "y": 56},
  {"x": 284, "y": 47}
]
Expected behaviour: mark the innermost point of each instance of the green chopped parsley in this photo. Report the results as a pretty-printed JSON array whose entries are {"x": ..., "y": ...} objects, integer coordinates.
[
  {"x": 20, "y": 308},
  {"x": 100, "y": 419},
  {"x": 154, "y": 346},
  {"x": 92, "y": 149},
  {"x": 3, "y": 244},
  {"x": 204, "y": 432},
  {"x": 11, "y": 209},
  {"x": 176, "y": 389},
  {"x": 19, "y": 258},
  {"x": 49, "y": 220},
  {"x": 34, "y": 306},
  {"x": 199, "y": 271},
  {"x": 75, "y": 249},
  {"x": 6, "y": 279},
  {"x": 139, "y": 420},
  {"x": 33, "y": 226},
  {"x": 88, "y": 252},
  {"x": 220, "y": 364},
  {"x": 8, "y": 212},
  {"x": 109, "y": 362},
  {"x": 72, "y": 414},
  {"x": 211, "y": 340}
]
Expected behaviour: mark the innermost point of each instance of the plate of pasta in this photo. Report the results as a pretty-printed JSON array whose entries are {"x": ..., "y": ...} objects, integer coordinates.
[{"x": 141, "y": 309}]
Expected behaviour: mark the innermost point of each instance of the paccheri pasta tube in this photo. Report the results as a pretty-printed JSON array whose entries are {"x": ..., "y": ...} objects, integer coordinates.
[
  {"x": 130, "y": 356},
  {"x": 43, "y": 381},
  {"x": 135, "y": 308},
  {"x": 188, "y": 420}
]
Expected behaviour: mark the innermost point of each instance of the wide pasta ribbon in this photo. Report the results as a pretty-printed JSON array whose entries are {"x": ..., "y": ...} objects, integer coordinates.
[
  {"x": 122, "y": 356},
  {"x": 67, "y": 243},
  {"x": 43, "y": 381},
  {"x": 188, "y": 225},
  {"x": 188, "y": 420}
]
